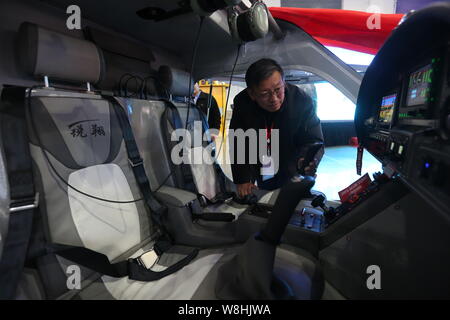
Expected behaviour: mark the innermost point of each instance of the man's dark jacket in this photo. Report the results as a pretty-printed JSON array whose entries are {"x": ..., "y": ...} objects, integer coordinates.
[
  {"x": 214, "y": 112},
  {"x": 298, "y": 124}
]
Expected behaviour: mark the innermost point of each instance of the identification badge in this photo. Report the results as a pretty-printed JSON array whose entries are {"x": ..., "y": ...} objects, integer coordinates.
[{"x": 267, "y": 169}]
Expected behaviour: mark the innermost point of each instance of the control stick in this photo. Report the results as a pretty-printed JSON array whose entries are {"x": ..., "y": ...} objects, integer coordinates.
[{"x": 249, "y": 274}]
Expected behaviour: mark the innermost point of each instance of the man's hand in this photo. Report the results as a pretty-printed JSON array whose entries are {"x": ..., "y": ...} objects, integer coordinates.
[
  {"x": 245, "y": 189},
  {"x": 311, "y": 169},
  {"x": 214, "y": 137}
]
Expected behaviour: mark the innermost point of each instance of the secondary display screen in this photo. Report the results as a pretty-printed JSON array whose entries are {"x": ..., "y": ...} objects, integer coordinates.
[
  {"x": 419, "y": 86},
  {"x": 387, "y": 109}
]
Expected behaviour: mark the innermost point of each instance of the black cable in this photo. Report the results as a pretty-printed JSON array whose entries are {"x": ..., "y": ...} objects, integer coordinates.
[
  {"x": 143, "y": 93},
  {"x": 120, "y": 82},
  {"x": 226, "y": 101},
  {"x": 33, "y": 125},
  {"x": 136, "y": 78},
  {"x": 141, "y": 90},
  {"x": 194, "y": 54}
]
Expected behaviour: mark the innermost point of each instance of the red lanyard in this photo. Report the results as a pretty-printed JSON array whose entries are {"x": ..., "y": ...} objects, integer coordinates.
[{"x": 268, "y": 138}]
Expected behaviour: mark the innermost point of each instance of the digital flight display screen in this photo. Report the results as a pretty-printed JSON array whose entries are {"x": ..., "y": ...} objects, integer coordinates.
[
  {"x": 419, "y": 86},
  {"x": 387, "y": 109}
]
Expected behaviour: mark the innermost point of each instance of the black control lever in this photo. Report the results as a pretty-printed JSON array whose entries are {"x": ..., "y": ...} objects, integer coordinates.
[{"x": 328, "y": 212}]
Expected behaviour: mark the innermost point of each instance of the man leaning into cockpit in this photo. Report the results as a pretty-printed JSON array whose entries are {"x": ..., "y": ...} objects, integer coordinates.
[{"x": 270, "y": 103}]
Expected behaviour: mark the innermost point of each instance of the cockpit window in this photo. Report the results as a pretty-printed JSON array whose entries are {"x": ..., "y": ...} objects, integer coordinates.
[
  {"x": 333, "y": 105},
  {"x": 359, "y": 61}
]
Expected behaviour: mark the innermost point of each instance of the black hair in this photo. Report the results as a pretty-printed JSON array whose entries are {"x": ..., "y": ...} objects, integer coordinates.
[{"x": 261, "y": 70}]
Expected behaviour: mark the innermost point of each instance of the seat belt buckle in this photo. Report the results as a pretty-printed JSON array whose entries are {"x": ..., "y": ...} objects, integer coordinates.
[
  {"x": 137, "y": 163},
  {"x": 148, "y": 259},
  {"x": 24, "y": 204}
]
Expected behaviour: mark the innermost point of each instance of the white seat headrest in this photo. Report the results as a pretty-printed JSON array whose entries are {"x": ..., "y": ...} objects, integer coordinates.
[
  {"x": 43, "y": 52},
  {"x": 175, "y": 81}
]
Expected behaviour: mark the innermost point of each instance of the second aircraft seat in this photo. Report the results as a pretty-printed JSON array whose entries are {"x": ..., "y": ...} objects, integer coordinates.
[
  {"x": 202, "y": 175},
  {"x": 149, "y": 120}
]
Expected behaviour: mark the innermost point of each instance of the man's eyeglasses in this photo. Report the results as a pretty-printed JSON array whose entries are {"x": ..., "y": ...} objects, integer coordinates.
[{"x": 268, "y": 93}]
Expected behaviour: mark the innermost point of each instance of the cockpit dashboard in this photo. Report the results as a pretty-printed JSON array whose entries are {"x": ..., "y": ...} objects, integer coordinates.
[{"x": 403, "y": 109}]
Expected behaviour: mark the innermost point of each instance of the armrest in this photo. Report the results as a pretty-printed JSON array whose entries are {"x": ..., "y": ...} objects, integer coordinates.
[
  {"x": 174, "y": 196},
  {"x": 268, "y": 197}
]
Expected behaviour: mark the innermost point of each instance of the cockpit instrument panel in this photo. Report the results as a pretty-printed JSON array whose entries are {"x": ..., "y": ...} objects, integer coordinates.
[{"x": 403, "y": 107}]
